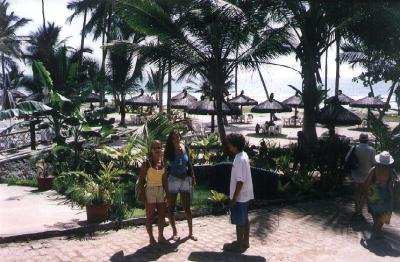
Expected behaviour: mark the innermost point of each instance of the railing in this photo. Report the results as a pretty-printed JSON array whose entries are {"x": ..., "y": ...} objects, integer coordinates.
[{"x": 22, "y": 139}]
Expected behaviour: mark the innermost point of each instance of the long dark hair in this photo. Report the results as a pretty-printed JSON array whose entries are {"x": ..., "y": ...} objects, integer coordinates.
[{"x": 169, "y": 153}]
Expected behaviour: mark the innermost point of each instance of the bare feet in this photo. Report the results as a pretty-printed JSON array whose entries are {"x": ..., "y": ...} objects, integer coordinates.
[
  {"x": 152, "y": 241},
  {"x": 192, "y": 237},
  {"x": 162, "y": 240},
  {"x": 175, "y": 237}
]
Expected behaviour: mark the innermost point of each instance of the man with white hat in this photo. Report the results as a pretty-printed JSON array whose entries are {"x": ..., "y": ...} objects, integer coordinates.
[{"x": 365, "y": 157}]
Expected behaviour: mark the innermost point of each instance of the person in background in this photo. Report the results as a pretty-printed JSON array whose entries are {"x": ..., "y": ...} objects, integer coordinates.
[
  {"x": 379, "y": 184},
  {"x": 180, "y": 180},
  {"x": 240, "y": 193},
  {"x": 152, "y": 185},
  {"x": 365, "y": 155}
]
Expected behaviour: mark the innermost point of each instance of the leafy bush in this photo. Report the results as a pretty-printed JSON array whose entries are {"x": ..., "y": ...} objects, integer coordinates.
[{"x": 218, "y": 199}]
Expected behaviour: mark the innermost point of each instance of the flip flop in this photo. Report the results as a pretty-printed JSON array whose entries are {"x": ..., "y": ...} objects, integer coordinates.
[{"x": 193, "y": 238}]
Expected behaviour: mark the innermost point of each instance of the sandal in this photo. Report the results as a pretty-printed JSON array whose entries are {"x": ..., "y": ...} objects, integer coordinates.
[
  {"x": 192, "y": 238},
  {"x": 234, "y": 247}
]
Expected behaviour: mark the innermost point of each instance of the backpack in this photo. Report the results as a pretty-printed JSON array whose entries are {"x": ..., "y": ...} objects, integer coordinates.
[{"x": 351, "y": 160}]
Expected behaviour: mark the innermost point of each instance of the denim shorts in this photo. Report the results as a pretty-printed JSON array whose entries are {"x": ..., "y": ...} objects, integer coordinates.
[
  {"x": 176, "y": 185},
  {"x": 240, "y": 213}
]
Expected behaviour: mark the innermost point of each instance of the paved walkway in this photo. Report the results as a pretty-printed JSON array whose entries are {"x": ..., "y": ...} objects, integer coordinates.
[
  {"x": 25, "y": 210},
  {"x": 313, "y": 231}
]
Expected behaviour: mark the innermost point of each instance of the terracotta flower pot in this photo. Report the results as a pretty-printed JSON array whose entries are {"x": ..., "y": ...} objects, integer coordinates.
[
  {"x": 45, "y": 183},
  {"x": 97, "y": 213}
]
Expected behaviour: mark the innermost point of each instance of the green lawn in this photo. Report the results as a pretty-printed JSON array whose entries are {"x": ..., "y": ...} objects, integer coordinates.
[
  {"x": 20, "y": 182},
  {"x": 199, "y": 201},
  {"x": 391, "y": 118}
]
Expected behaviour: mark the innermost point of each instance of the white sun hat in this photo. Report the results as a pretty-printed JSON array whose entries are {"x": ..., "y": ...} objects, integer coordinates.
[{"x": 384, "y": 158}]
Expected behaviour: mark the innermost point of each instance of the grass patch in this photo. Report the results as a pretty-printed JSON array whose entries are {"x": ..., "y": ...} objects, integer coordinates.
[
  {"x": 199, "y": 201},
  {"x": 391, "y": 118},
  {"x": 32, "y": 182}
]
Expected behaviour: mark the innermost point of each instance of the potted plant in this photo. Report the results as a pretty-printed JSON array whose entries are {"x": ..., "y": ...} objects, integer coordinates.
[
  {"x": 97, "y": 194},
  {"x": 45, "y": 172}
]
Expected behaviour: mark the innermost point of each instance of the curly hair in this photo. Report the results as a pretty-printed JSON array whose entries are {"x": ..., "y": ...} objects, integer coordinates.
[
  {"x": 169, "y": 153},
  {"x": 236, "y": 140}
]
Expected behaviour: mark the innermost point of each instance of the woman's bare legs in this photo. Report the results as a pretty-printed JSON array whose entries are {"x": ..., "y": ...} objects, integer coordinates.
[
  {"x": 161, "y": 221},
  {"x": 185, "y": 200},
  {"x": 171, "y": 214},
  {"x": 150, "y": 211}
]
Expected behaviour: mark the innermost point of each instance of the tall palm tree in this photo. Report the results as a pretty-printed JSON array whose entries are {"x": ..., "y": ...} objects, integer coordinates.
[
  {"x": 10, "y": 43},
  {"x": 78, "y": 7},
  {"x": 202, "y": 38},
  {"x": 311, "y": 32},
  {"x": 125, "y": 69},
  {"x": 155, "y": 81}
]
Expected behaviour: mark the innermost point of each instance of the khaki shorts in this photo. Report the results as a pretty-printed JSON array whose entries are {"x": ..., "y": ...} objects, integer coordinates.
[{"x": 155, "y": 194}]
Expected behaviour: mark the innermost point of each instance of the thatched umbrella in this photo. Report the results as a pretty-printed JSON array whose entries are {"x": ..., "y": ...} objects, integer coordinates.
[
  {"x": 183, "y": 94},
  {"x": 242, "y": 100},
  {"x": 342, "y": 99},
  {"x": 142, "y": 100},
  {"x": 183, "y": 102},
  {"x": 94, "y": 98},
  {"x": 295, "y": 102},
  {"x": 208, "y": 107},
  {"x": 271, "y": 106},
  {"x": 369, "y": 102},
  {"x": 333, "y": 114}
]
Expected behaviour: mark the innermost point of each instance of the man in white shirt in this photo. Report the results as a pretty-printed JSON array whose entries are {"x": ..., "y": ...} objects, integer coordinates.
[{"x": 241, "y": 192}]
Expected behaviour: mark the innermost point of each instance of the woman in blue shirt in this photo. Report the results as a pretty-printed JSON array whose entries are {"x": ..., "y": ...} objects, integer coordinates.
[{"x": 180, "y": 180}]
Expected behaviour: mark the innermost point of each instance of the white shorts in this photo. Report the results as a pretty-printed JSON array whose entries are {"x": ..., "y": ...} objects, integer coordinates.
[{"x": 176, "y": 185}]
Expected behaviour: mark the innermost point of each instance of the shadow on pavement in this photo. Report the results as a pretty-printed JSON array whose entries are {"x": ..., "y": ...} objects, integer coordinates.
[
  {"x": 388, "y": 246},
  {"x": 148, "y": 253},
  {"x": 223, "y": 256},
  {"x": 264, "y": 223}
]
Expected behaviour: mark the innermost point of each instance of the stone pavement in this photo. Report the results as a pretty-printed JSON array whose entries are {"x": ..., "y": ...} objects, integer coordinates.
[
  {"x": 25, "y": 210},
  {"x": 312, "y": 231}
]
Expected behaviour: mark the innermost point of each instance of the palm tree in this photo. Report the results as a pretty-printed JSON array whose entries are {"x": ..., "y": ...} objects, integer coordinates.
[
  {"x": 124, "y": 73},
  {"x": 311, "y": 32},
  {"x": 202, "y": 40},
  {"x": 155, "y": 83},
  {"x": 79, "y": 7},
  {"x": 10, "y": 43}
]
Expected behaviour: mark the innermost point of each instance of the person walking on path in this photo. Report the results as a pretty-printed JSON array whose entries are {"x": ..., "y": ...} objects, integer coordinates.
[
  {"x": 365, "y": 158},
  {"x": 180, "y": 180},
  {"x": 152, "y": 186},
  {"x": 240, "y": 193},
  {"x": 380, "y": 183}
]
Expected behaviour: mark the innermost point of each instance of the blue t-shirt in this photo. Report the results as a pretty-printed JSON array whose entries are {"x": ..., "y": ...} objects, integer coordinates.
[{"x": 179, "y": 166}]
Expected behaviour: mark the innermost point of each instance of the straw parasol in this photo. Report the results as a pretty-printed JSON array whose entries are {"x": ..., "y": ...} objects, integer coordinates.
[
  {"x": 296, "y": 102},
  {"x": 271, "y": 106},
  {"x": 94, "y": 98},
  {"x": 242, "y": 100},
  {"x": 333, "y": 114},
  {"x": 369, "y": 102},
  {"x": 142, "y": 100},
  {"x": 342, "y": 99},
  {"x": 208, "y": 107},
  {"x": 183, "y": 94}
]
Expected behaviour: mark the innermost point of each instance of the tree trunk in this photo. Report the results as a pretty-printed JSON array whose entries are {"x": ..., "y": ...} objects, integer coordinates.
[
  {"x": 169, "y": 88},
  {"x": 122, "y": 110},
  {"x": 83, "y": 33},
  {"x": 220, "y": 120},
  {"x": 3, "y": 69},
  {"x": 236, "y": 71},
  {"x": 338, "y": 39},
  {"x": 43, "y": 16},
  {"x": 309, "y": 100},
  {"x": 262, "y": 80},
  {"x": 387, "y": 103},
  {"x": 326, "y": 73}
]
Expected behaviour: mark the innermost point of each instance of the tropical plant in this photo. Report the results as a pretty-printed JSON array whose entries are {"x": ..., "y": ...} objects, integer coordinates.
[
  {"x": 125, "y": 69},
  {"x": 155, "y": 83},
  {"x": 202, "y": 39},
  {"x": 218, "y": 199},
  {"x": 97, "y": 190},
  {"x": 43, "y": 165},
  {"x": 10, "y": 42}
]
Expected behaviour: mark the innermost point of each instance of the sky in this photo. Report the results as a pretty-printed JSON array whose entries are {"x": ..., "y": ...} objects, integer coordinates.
[{"x": 277, "y": 78}]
